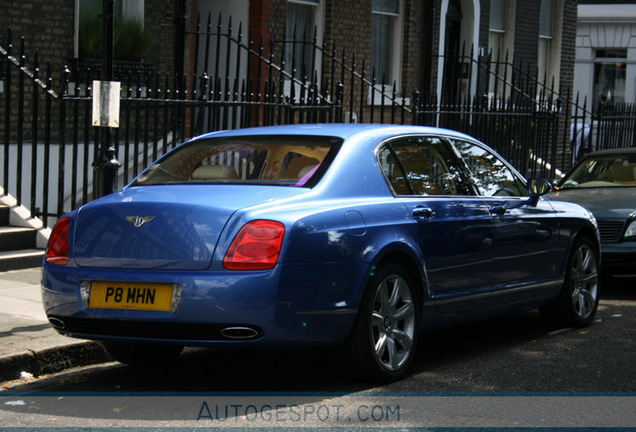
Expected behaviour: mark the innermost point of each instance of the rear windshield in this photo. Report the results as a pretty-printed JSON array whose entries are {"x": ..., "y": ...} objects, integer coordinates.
[
  {"x": 607, "y": 171},
  {"x": 274, "y": 160}
]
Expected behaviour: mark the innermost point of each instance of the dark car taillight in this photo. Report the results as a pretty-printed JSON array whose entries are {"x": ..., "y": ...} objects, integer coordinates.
[
  {"x": 57, "y": 249},
  {"x": 256, "y": 246}
]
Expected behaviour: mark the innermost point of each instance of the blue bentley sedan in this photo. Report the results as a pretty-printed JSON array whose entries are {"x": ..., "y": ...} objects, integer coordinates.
[{"x": 356, "y": 237}]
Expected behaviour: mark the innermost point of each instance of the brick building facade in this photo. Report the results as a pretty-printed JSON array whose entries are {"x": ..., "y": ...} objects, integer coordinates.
[
  {"x": 421, "y": 32},
  {"x": 46, "y": 26},
  {"x": 51, "y": 28}
]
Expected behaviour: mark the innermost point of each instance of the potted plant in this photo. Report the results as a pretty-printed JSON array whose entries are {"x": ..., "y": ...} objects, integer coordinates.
[{"x": 132, "y": 42}]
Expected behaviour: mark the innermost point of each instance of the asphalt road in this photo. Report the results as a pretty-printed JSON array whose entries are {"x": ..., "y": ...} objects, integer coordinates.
[{"x": 512, "y": 355}]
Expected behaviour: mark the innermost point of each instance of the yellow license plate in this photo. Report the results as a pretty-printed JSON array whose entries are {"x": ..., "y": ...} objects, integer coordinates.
[{"x": 134, "y": 296}]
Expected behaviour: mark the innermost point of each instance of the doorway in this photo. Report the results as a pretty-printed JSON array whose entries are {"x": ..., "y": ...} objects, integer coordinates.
[{"x": 452, "y": 75}]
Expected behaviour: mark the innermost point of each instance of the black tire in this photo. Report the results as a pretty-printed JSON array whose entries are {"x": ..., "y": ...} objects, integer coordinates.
[
  {"x": 384, "y": 338},
  {"x": 145, "y": 355},
  {"x": 577, "y": 304}
]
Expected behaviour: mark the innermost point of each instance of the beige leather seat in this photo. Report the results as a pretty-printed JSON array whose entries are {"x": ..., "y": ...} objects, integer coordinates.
[
  {"x": 300, "y": 166},
  {"x": 214, "y": 172},
  {"x": 623, "y": 173}
]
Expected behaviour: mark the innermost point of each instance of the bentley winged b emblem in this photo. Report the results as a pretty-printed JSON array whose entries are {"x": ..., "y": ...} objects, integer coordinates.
[{"x": 138, "y": 221}]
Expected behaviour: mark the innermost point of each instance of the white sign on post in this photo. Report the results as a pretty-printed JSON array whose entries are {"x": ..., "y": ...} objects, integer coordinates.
[{"x": 106, "y": 96}]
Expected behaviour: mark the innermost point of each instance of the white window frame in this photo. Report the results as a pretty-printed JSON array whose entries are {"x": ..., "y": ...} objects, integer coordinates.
[
  {"x": 505, "y": 38},
  {"x": 395, "y": 61},
  {"x": 319, "y": 20},
  {"x": 549, "y": 48}
]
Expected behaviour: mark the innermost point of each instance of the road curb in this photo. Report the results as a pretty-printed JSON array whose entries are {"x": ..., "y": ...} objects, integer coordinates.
[{"x": 52, "y": 360}]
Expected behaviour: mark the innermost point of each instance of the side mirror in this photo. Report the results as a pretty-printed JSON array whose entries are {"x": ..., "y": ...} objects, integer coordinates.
[{"x": 537, "y": 187}]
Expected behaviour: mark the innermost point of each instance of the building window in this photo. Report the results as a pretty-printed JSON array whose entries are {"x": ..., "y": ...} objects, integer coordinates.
[
  {"x": 496, "y": 43},
  {"x": 546, "y": 35},
  {"x": 88, "y": 24},
  {"x": 303, "y": 19},
  {"x": 386, "y": 41},
  {"x": 501, "y": 45},
  {"x": 609, "y": 75},
  {"x": 549, "y": 48},
  {"x": 497, "y": 28}
]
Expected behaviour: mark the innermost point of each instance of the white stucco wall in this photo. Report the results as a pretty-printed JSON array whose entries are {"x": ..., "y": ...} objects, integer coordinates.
[{"x": 602, "y": 27}]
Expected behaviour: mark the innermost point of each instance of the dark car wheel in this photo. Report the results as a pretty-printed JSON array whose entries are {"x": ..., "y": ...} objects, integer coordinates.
[
  {"x": 384, "y": 338},
  {"x": 143, "y": 354},
  {"x": 577, "y": 304}
]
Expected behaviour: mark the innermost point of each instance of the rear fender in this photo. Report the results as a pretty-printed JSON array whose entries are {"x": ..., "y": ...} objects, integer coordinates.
[{"x": 405, "y": 255}]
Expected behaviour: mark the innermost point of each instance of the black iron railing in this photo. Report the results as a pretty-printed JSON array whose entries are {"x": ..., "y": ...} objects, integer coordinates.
[{"x": 48, "y": 143}]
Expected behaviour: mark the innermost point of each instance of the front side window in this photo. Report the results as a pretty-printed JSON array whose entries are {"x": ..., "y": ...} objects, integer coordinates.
[
  {"x": 422, "y": 166},
  {"x": 609, "y": 171},
  {"x": 490, "y": 174},
  {"x": 282, "y": 161},
  {"x": 386, "y": 41}
]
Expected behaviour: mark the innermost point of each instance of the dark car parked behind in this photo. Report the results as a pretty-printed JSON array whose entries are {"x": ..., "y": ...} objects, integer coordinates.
[{"x": 605, "y": 183}]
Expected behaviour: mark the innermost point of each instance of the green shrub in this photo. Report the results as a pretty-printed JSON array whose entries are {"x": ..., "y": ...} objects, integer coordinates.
[{"x": 132, "y": 41}]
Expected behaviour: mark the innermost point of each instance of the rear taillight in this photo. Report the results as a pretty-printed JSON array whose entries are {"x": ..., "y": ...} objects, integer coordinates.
[
  {"x": 57, "y": 249},
  {"x": 256, "y": 246}
]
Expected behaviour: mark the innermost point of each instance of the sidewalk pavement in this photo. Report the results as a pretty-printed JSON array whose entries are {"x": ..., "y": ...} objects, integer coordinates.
[{"x": 28, "y": 343}]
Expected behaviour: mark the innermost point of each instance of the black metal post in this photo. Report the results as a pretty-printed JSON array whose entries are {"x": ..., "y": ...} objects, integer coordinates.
[{"x": 106, "y": 164}]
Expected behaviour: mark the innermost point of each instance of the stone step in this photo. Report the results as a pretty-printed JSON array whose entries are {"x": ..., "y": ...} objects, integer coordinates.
[
  {"x": 16, "y": 238},
  {"x": 23, "y": 259},
  {"x": 4, "y": 215}
]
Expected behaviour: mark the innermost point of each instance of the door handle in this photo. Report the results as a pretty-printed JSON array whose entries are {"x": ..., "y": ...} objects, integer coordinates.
[
  {"x": 497, "y": 210},
  {"x": 422, "y": 213}
]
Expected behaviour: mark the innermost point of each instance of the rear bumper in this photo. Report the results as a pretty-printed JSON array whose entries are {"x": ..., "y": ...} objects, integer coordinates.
[{"x": 283, "y": 307}]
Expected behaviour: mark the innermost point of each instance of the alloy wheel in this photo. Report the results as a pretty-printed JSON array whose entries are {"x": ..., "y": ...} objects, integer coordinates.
[
  {"x": 584, "y": 282},
  {"x": 393, "y": 322}
]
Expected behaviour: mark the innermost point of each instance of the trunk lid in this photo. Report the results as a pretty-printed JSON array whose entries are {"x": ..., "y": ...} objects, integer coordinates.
[{"x": 162, "y": 227}]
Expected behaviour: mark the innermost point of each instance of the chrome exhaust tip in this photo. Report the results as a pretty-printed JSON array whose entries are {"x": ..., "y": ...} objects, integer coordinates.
[
  {"x": 57, "y": 323},
  {"x": 240, "y": 333}
]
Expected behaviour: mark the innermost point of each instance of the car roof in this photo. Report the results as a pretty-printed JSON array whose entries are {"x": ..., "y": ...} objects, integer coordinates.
[
  {"x": 613, "y": 152},
  {"x": 341, "y": 130}
]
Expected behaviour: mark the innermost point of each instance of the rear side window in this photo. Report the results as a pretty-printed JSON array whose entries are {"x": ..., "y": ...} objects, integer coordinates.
[
  {"x": 280, "y": 160},
  {"x": 422, "y": 166}
]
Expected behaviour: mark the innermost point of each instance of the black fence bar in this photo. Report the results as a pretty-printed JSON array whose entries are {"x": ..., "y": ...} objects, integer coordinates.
[
  {"x": 6, "y": 56},
  {"x": 20, "y": 123}
]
